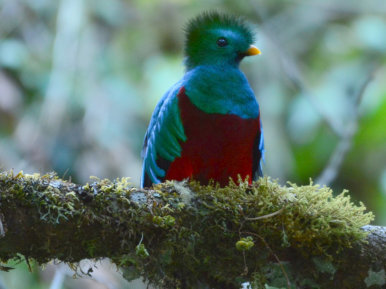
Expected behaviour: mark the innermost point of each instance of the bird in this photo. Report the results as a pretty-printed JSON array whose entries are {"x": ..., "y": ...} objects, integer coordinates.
[{"x": 207, "y": 126}]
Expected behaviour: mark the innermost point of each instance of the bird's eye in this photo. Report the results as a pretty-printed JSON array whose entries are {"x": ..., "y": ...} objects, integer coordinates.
[{"x": 222, "y": 42}]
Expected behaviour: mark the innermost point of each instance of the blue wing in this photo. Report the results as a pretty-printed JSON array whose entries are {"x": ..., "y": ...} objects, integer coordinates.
[
  {"x": 162, "y": 139},
  {"x": 258, "y": 154}
]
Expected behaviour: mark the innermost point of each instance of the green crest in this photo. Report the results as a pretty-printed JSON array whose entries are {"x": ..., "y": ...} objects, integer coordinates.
[{"x": 203, "y": 33}]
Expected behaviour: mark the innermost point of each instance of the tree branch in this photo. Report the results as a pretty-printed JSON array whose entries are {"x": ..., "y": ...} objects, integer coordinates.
[{"x": 189, "y": 236}]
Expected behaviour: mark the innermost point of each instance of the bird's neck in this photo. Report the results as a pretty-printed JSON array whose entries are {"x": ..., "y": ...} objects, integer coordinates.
[
  {"x": 221, "y": 89},
  {"x": 199, "y": 60},
  {"x": 216, "y": 71}
]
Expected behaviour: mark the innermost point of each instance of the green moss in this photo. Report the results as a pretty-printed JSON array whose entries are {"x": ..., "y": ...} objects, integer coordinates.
[
  {"x": 44, "y": 193},
  {"x": 244, "y": 244},
  {"x": 141, "y": 251},
  {"x": 181, "y": 234},
  {"x": 311, "y": 218}
]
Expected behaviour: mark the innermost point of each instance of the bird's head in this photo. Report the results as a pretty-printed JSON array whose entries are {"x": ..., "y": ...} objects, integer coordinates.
[{"x": 214, "y": 38}]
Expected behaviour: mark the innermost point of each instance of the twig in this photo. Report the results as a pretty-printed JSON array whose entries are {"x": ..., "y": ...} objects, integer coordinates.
[
  {"x": 65, "y": 55},
  {"x": 2, "y": 231},
  {"x": 265, "y": 216},
  {"x": 331, "y": 170},
  {"x": 345, "y": 133},
  {"x": 28, "y": 264},
  {"x": 294, "y": 73},
  {"x": 274, "y": 255}
]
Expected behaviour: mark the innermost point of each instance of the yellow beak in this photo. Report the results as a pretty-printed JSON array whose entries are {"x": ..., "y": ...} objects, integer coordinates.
[{"x": 252, "y": 50}]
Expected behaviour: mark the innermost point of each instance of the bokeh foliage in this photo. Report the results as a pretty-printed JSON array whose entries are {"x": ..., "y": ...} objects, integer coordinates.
[{"x": 79, "y": 80}]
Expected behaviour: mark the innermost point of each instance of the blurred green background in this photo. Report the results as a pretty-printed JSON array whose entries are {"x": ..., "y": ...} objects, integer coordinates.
[{"x": 79, "y": 80}]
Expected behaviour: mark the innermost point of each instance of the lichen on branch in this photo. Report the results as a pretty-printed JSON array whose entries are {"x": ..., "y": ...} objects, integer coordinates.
[{"x": 183, "y": 235}]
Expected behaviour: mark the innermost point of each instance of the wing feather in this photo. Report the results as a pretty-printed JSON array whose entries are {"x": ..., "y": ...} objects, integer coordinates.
[
  {"x": 163, "y": 137},
  {"x": 258, "y": 154}
]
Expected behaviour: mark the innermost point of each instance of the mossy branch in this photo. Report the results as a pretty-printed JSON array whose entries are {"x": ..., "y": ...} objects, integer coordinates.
[{"x": 179, "y": 235}]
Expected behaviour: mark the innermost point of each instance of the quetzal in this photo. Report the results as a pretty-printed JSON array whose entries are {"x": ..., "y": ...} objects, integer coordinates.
[{"x": 207, "y": 126}]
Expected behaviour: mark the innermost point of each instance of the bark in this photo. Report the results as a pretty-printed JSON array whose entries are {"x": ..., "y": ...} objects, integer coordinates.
[{"x": 180, "y": 235}]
